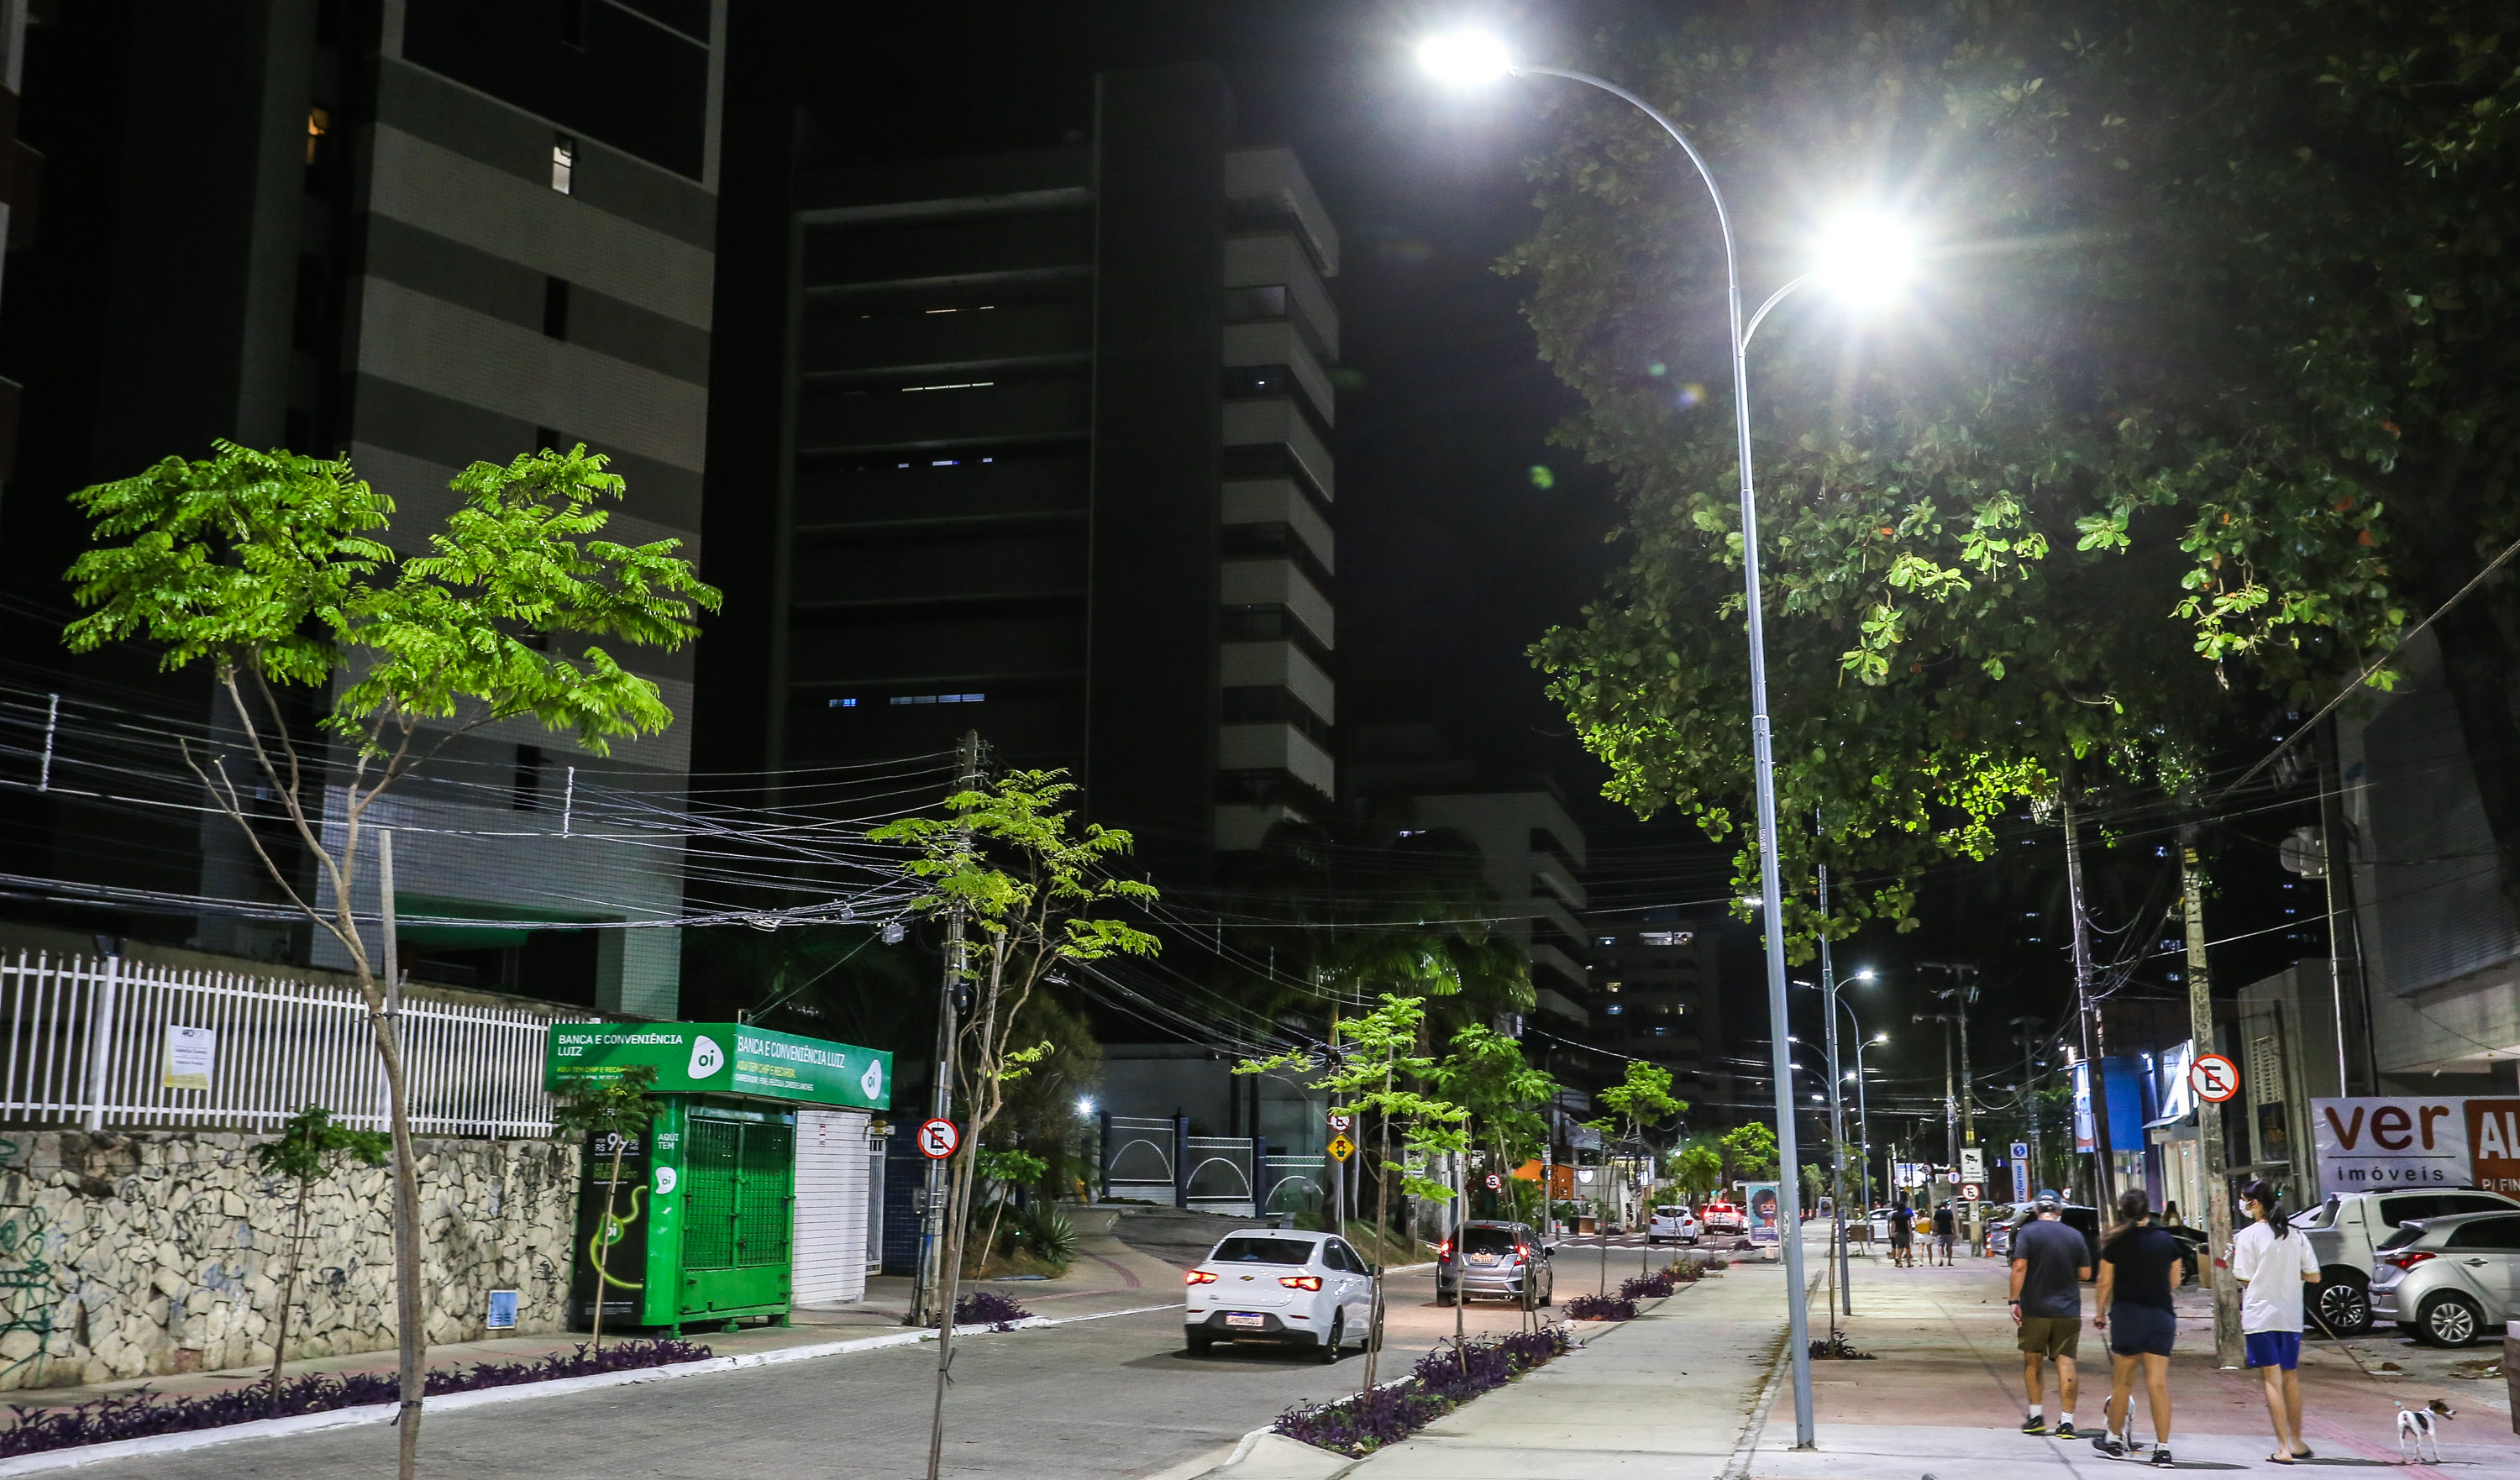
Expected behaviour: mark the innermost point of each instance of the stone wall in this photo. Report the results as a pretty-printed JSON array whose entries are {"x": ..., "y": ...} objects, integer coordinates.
[{"x": 129, "y": 1255}]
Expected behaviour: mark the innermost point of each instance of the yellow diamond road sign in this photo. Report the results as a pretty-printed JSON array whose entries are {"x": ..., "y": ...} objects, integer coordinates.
[{"x": 1341, "y": 1147}]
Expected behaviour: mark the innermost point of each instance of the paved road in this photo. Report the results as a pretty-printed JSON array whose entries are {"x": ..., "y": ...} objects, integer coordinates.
[{"x": 1098, "y": 1399}]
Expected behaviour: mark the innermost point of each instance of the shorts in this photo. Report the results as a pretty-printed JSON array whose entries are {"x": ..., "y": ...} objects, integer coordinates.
[
  {"x": 1942, "y": 1240},
  {"x": 2280, "y": 1349},
  {"x": 2050, "y": 1337},
  {"x": 1903, "y": 1240},
  {"x": 2141, "y": 1329}
]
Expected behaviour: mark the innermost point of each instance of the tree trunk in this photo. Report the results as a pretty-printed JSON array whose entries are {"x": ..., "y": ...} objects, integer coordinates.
[
  {"x": 411, "y": 1333},
  {"x": 604, "y": 1239},
  {"x": 956, "y": 1220},
  {"x": 287, "y": 1293}
]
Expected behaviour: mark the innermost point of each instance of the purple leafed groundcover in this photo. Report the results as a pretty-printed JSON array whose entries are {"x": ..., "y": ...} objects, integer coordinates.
[
  {"x": 1601, "y": 1307},
  {"x": 1443, "y": 1380},
  {"x": 988, "y": 1308},
  {"x": 139, "y": 1413}
]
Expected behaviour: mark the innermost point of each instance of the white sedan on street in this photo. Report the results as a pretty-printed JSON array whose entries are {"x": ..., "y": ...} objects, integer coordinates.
[
  {"x": 1282, "y": 1285},
  {"x": 1675, "y": 1223}
]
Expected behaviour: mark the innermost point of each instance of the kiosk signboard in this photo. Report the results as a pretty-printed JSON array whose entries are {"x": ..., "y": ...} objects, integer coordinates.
[{"x": 723, "y": 1059}]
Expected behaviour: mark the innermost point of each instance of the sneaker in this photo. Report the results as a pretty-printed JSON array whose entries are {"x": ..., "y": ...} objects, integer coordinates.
[
  {"x": 2161, "y": 1459},
  {"x": 2065, "y": 1430},
  {"x": 2107, "y": 1443},
  {"x": 2036, "y": 1423}
]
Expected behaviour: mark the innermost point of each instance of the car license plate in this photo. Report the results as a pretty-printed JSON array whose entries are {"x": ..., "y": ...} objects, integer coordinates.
[
  {"x": 1238, "y": 1318},
  {"x": 1483, "y": 1259}
]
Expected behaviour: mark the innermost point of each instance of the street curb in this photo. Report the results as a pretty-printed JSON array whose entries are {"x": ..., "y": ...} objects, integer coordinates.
[{"x": 453, "y": 1402}]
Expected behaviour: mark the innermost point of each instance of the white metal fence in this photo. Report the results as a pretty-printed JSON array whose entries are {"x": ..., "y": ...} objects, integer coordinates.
[{"x": 111, "y": 1042}]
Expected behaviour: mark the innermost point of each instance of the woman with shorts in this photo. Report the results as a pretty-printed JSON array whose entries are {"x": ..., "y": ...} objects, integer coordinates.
[
  {"x": 2274, "y": 1267},
  {"x": 2138, "y": 1266}
]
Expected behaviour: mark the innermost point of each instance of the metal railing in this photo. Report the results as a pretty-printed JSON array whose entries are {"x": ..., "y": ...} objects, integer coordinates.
[{"x": 111, "y": 1042}]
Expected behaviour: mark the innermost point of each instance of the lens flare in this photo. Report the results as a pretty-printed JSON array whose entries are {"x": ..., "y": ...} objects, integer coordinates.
[{"x": 1465, "y": 56}]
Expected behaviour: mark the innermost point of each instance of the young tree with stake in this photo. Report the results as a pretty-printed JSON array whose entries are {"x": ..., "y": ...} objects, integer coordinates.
[
  {"x": 1642, "y": 1098},
  {"x": 311, "y": 1148},
  {"x": 1003, "y": 859},
  {"x": 613, "y": 1107},
  {"x": 271, "y": 567}
]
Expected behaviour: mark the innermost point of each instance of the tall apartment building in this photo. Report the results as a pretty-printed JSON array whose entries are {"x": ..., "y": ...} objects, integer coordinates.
[
  {"x": 1533, "y": 856},
  {"x": 1654, "y": 997},
  {"x": 1052, "y": 465},
  {"x": 421, "y": 233}
]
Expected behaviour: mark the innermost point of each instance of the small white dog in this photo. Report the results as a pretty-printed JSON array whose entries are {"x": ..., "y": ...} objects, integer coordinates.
[{"x": 2417, "y": 1439}]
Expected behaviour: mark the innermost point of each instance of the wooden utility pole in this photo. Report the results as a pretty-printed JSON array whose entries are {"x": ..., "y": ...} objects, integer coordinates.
[{"x": 2209, "y": 1114}]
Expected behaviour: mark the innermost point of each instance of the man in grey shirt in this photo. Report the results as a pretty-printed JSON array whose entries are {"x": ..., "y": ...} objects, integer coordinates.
[{"x": 2049, "y": 1263}]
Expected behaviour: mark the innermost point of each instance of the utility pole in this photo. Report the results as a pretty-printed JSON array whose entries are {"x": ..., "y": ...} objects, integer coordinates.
[
  {"x": 2209, "y": 1114},
  {"x": 1836, "y": 1110},
  {"x": 2021, "y": 1035},
  {"x": 923, "y": 1304},
  {"x": 2095, "y": 1037}
]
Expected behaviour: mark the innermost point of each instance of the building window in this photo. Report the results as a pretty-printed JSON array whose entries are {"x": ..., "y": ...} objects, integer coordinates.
[
  {"x": 935, "y": 698},
  {"x": 1257, "y": 380},
  {"x": 318, "y": 124},
  {"x": 563, "y": 161},
  {"x": 1244, "y": 304},
  {"x": 844, "y": 703},
  {"x": 1665, "y": 938},
  {"x": 556, "y": 309}
]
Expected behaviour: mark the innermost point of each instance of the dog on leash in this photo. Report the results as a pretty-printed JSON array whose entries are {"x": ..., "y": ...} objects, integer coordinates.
[{"x": 2417, "y": 1439}]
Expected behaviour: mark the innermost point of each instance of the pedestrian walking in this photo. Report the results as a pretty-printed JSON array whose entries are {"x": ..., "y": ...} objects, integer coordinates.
[
  {"x": 1903, "y": 1235},
  {"x": 1946, "y": 1224},
  {"x": 2139, "y": 1264},
  {"x": 2275, "y": 1264},
  {"x": 2049, "y": 1263}
]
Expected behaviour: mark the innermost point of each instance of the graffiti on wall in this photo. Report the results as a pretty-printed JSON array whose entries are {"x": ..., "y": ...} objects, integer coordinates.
[{"x": 25, "y": 1280}]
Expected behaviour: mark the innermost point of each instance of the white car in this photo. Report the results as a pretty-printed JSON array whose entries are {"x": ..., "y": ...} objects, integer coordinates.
[
  {"x": 1673, "y": 1223},
  {"x": 1724, "y": 1218},
  {"x": 1282, "y": 1285}
]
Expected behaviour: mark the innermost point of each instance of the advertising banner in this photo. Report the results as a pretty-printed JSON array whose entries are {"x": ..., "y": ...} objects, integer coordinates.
[
  {"x": 2416, "y": 1141},
  {"x": 724, "y": 1058},
  {"x": 2085, "y": 1133},
  {"x": 1761, "y": 1199}
]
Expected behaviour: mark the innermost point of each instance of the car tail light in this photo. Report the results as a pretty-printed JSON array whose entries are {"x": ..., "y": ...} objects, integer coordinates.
[
  {"x": 1522, "y": 1252},
  {"x": 2408, "y": 1259},
  {"x": 1199, "y": 1277},
  {"x": 1301, "y": 1282},
  {"x": 1444, "y": 1250}
]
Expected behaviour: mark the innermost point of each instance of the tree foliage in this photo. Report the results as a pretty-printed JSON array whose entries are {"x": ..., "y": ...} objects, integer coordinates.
[
  {"x": 1750, "y": 1150},
  {"x": 2210, "y": 383},
  {"x": 1697, "y": 1166}
]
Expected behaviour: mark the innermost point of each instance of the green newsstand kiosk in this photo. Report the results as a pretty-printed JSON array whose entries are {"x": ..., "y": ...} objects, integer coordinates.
[{"x": 701, "y": 1222}]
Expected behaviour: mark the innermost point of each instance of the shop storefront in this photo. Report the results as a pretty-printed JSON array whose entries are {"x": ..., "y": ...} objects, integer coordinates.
[{"x": 718, "y": 1205}]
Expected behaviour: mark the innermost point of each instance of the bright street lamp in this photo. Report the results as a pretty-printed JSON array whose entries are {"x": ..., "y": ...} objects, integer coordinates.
[
  {"x": 1474, "y": 58},
  {"x": 1866, "y": 257}
]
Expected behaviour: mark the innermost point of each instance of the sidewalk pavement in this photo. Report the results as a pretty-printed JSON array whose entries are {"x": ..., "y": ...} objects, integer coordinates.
[
  {"x": 1945, "y": 1394},
  {"x": 1107, "y": 1276},
  {"x": 1672, "y": 1393}
]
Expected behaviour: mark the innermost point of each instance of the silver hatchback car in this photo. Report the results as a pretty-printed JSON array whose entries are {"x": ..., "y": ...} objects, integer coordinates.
[
  {"x": 1501, "y": 1260},
  {"x": 2447, "y": 1280}
]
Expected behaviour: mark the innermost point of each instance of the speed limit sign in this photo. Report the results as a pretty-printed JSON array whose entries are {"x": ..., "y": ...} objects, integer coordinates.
[
  {"x": 2214, "y": 1077},
  {"x": 937, "y": 1139}
]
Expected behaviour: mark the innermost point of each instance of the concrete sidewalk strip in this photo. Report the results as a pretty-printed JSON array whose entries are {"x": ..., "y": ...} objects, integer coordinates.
[{"x": 450, "y": 1403}]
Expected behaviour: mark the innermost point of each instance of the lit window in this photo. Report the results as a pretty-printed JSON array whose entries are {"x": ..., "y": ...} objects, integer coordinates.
[
  {"x": 1612, "y": 1010},
  {"x": 844, "y": 703},
  {"x": 1667, "y": 937},
  {"x": 563, "y": 161},
  {"x": 939, "y": 699},
  {"x": 319, "y": 122},
  {"x": 951, "y": 385},
  {"x": 1606, "y": 940}
]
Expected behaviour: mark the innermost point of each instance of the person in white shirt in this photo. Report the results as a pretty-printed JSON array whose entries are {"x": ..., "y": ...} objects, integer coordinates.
[{"x": 2273, "y": 1264}]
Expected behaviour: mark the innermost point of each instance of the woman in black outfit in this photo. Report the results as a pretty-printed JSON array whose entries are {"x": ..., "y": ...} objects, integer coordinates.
[{"x": 2139, "y": 1264}]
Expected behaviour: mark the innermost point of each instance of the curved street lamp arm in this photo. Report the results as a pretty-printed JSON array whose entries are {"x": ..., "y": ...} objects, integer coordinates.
[{"x": 1774, "y": 298}]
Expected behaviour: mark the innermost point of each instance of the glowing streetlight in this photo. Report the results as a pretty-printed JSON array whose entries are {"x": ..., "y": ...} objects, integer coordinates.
[
  {"x": 1866, "y": 256},
  {"x": 1465, "y": 58},
  {"x": 1084, "y": 1106}
]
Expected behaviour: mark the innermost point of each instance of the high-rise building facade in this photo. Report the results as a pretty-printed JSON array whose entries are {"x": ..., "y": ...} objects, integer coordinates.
[
  {"x": 1654, "y": 997},
  {"x": 420, "y": 232},
  {"x": 1053, "y": 467}
]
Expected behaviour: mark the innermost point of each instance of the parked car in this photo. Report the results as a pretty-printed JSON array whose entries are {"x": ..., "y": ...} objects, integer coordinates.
[
  {"x": 1495, "y": 1259},
  {"x": 1280, "y": 1286},
  {"x": 1723, "y": 1218},
  {"x": 2086, "y": 1220},
  {"x": 2347, "y": 1229},
  {"x": 2448, "y": 1281},
  {"x": 1676, "y": 1224}
]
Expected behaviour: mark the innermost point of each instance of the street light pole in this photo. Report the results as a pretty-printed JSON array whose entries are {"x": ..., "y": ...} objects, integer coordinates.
[
  {"x": 1836, "y": 1111},
  {"x": 1761, "y": 760}
]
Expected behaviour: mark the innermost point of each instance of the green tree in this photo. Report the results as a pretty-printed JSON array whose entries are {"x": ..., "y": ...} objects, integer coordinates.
[
  {"x": 1697, "y": 1166},
  {"x": 1751, "y": 1151},
  {"x": 2211, "y": 383},
  {"x": 606, "y": 1111},
  {"x": 1005, "y": 1171},
  {"x": 271, "y": 567},
  {"x": 1004, "y": 863},
  {"x": 1642, "y": 1098},
  {"x": 310, "y": 1147}
]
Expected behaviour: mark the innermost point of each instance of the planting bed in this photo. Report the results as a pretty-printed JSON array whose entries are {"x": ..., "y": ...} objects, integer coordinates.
[
  {"x": 141, "y": 1413},
  {"x": 1437, "y": 1385}
]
